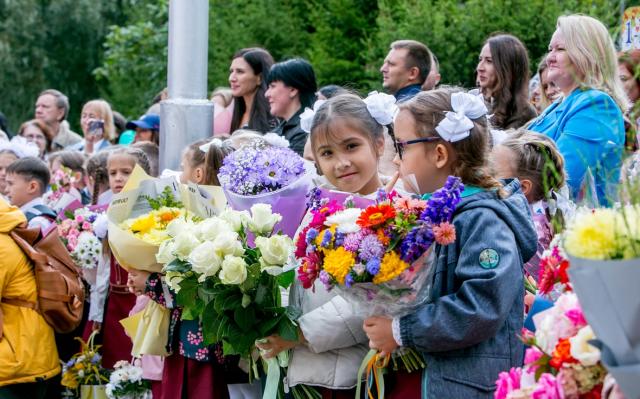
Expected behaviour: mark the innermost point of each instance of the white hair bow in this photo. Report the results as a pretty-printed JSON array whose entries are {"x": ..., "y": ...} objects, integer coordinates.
[
  {"x": 457, "y": 125},
  {"x": 306, "y": 118},
  {"x": 21, "y": 147},
  {"x": 382, "y": 107},
  {"x": 214, "y": 141}
]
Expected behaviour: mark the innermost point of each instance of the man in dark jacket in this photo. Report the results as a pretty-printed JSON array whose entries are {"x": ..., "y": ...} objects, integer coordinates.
[{"x": 405, "y": 69}]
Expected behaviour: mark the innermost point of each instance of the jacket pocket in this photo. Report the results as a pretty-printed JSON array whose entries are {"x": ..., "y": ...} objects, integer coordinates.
[{"x": 470, "y": 377}]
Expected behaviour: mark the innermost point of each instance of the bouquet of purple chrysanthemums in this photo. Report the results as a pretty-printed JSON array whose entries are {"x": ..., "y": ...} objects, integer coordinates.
[{"x": 269, "y": 174}]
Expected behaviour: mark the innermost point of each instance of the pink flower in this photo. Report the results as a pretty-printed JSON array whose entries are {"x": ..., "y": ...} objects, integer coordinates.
[
  {"x": 86, "y": 226},
  {"x": 79, "y": 219},
  {"x": 567, "y": 383},
  {"x": 410, "y": 205},
  {"x": 576, "y": 316},
  {"x": 531, "y": 356},
  {"x": 444, "y": 233},
  {"x": 547, "y": 388},
  {"x": 507, "y": 382}
]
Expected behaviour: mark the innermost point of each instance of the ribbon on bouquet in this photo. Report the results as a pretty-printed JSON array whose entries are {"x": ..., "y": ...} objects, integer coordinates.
[
  {"x": 273, "y": 374},
  {"x": 372, "y": 367}
]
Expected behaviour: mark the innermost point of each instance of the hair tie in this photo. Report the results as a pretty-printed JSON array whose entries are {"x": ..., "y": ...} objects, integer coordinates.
[
  {"x": 382, "y": 107},
  {"x": 214, "y": 141},
  {"x": 457, "y": 125}
]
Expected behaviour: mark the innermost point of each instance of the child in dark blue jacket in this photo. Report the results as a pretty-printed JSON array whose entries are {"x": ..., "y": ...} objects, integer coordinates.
[{"x": 468, "y": 329}]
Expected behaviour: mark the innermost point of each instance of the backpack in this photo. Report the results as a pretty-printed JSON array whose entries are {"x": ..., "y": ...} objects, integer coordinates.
[{"x": 60, "y": 289}]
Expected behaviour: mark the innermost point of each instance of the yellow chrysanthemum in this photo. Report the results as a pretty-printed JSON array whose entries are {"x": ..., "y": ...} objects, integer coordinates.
[
  {"x": 69, "y": 380},
  {"x": 592, "y": 235},
  {"x": 155, "y": 237},
  {"x": 390, "y": 267},
  {"x": 338, "y": 262},
  {"x": 143, "y": 224}
]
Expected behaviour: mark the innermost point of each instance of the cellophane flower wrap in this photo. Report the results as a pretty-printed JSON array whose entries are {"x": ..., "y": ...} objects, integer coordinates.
[
  {"x": 378, "y": 258},
  {"x": 259, "y": 173},
  {"x": 126, "y": 382},
  {"x": 560, "y": 362},
  {"x": 231, "y": 286},
  {"x": 85, "y": 367},
  {"x": 603, "y": 247},
  {"x": 76, "y": 229}
]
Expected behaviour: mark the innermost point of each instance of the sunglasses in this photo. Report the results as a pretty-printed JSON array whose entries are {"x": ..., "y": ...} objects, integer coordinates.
[{"x": 400, "y": 145}]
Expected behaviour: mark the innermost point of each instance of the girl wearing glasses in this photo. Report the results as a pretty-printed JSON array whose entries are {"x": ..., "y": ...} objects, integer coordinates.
[{"x": 467, "y": 329}]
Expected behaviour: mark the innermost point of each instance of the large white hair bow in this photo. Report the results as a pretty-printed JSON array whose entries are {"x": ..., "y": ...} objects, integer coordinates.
[
  {"x": 21, "y": 147},
  {"x": 457, "y": 125},
  {"x": 214, "y": 141},
  {"x": 382, "y": 107},
  {"x": 306, "y": 118}
]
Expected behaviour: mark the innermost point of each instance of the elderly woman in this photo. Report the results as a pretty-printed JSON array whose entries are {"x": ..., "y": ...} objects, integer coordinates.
[{"x": 586, "y": 123}]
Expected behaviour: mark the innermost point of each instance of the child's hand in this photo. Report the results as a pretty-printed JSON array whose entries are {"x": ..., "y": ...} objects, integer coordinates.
[
  {"x": 380, "y": 334},
  {"x": 137, "y": 281},
  {"x": 274, "y": 344}
]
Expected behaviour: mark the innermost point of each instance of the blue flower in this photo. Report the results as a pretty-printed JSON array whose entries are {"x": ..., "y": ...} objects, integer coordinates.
[
  {"x": 348, "y": 281},
  {"x": 416, "y": 242},
  {"x": 373, "y": 266},
  {"x": 311, "y": 235},
  {"x": 326, "y": 239},
  {"x": 370, "y": 247}
]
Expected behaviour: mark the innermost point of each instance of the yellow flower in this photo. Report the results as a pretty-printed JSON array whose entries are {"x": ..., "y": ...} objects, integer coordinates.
[
  {"x": 155, "y": 237},
  {"x": 390, "y": 267},
  {"x": 338, "y": 263},
  {"x": 69, "y": 380},
  {"x": 592, "y": 235},
  {"x": 143, "y": 224}
]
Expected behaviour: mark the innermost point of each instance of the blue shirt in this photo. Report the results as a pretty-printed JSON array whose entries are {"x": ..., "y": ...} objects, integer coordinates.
[
  {"x": 407, "y": 93},
  {"x": 588, "y": 128}
]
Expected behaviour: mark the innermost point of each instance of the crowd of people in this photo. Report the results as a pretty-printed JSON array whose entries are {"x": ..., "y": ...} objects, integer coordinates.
[{"x": 565, "y": 133}]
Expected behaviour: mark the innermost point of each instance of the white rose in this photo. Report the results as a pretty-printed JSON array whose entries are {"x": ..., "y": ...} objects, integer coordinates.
[
  {"x": 173, "y": 280},
  {"x": 184, "y": 243},
  {"x": 345, "y": 220},
  {"x": 209, "y": 229},
  {"x": 275, "y": 252},
  {"x": 262, "y": 219},
  {"x": 179, "y": 225},
  {"x": 234, "y": 270},
  {"x": 236, "y": 219},
  {"x": 204, "y": 259},
  {"x": 227, "y": 243},
  {"x": 582, "y": 350},
  {"x": 165, "y": 252}
]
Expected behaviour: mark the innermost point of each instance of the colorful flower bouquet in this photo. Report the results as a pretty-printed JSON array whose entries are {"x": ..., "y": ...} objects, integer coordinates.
[
  {"x": 76, "y": 230},
  {"x": 126, "y": 382},
  {"x": 84, "y": 371},
  {"x": 259, "y": 173},
  {"x": 139, "y": 215},
  {"x": 231, "y": 286},
  {"x": 560, "y": 362},
  {"x": 603, "y": 246},
  {"x": 554, "y": 267},
  {"x": 379, "y": 257}
]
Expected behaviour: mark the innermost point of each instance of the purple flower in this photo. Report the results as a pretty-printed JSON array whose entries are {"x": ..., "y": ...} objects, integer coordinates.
[
  {"x": 352, "y": 242},
  {"x": 311, "y": 235},
  {"x": 348, "y": 281},
  {"x": 416, "y": 242},
  {"x": 339, "y": 239},
  {"x": 325, "y": 278},
  {"x": 442, "y": 204},
  {"x": 96, "y": 359},
  {"x": 314, "y": 198},
  {"x": 381, "y": 195},
  {"x": 370, "y": 248},
  {"x": 326, "y": 239},
  {"x": 373, "y": 266}
]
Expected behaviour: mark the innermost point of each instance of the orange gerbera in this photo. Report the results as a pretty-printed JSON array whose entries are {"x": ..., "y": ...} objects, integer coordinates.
[
  {"x": 376, "y": 215},
  {"x": 562, "y": 354}
]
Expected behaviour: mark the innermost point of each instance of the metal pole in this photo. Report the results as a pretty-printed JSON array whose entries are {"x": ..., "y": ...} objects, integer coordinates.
[{"x": 187, "y": 115}]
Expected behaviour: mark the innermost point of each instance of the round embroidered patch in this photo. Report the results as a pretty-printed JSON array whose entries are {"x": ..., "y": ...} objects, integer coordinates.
[{"x": 489, "y": 258}]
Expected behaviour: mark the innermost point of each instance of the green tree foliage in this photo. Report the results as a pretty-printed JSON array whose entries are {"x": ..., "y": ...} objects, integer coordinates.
[{"x": 51, "y": 44}]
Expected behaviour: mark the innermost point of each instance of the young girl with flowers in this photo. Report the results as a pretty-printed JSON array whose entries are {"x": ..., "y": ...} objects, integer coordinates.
[
  {"x": 347, "y": 141},
  {"x": 111, "y": 300},
  {"x": 467, "y": 329},
  {"x": 192, "y": 369},
  {"x": 535, "y": 160}
]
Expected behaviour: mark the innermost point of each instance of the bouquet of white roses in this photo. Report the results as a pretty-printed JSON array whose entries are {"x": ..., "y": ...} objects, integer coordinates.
[{"x": 126, "y": 382}]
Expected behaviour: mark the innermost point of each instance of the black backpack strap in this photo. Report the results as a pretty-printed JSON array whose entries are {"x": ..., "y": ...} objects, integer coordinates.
[{"x": 40, "y": 210}]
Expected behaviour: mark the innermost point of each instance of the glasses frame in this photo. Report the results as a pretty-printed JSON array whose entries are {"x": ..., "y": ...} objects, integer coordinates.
[{"x": 400, "y": 145}]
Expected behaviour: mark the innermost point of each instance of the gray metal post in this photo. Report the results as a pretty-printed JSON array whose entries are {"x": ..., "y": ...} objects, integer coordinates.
[{"x": 187, "y": 115}]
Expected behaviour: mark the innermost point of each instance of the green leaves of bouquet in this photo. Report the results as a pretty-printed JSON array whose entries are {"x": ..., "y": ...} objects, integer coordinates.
[{"x": 229, "y": 280}]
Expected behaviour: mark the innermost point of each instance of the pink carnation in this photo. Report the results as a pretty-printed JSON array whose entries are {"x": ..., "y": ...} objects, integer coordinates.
[
  {"x": 531, "y": 356},
  {"x": 79, "y": 218},
  {"x": 576, "y": 316},
  {"x": 444, "y": 233},
  {"x": 86, "y": 226},
  {"x": 547, "y": 388},
  {"x": 507, "y": 382}
]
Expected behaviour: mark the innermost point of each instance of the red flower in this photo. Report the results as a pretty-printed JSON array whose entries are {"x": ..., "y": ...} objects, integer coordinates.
[
  {"x": 301, "y": 244},
  {"x": 376, "y": 215},
  {"x": 562, "y": 354},
  {"x": 553, "y": 269},
  {"x": 309, "y": 270}
]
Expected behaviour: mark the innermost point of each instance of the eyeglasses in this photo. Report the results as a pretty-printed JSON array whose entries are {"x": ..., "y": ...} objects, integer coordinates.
[{"x": 400, "y": 145}]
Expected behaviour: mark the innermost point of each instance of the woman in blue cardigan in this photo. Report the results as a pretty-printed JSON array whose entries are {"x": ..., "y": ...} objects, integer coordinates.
[{"x": 586, "y": 122}]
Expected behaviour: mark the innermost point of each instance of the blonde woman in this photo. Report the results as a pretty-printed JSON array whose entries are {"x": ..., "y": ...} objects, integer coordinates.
[
  {"x": 96, "y": 121},
  {"x": 586, "y": 122}
]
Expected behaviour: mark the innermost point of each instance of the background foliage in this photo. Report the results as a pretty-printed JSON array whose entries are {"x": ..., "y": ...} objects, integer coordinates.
[{"x": 117, "y": 49}]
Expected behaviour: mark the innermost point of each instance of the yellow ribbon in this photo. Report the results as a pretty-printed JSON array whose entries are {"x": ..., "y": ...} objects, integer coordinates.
[{"x": 373, "y": 366}]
